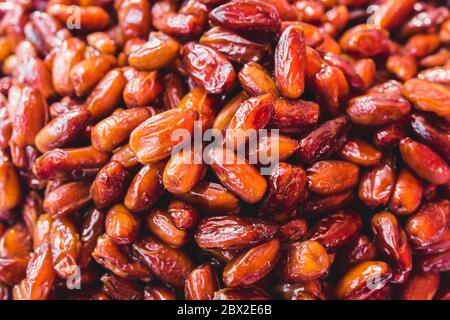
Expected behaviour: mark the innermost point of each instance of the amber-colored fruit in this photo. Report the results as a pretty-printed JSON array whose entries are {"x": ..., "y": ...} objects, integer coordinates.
[
  {"x": 294, "y": 116},
  {"x": 125, "y": 156},
  {"x": 393, "y": 244},
  {"x": 161, "y": 225},
  {"x": 142, "y": 89},
  {"x": 407, "y": 194},
  {"x": 67, "y": 164},
  {"x": 91, "y": 228},
  {"x": 109, "y": 186},
  {"x": 336, "y": 230},
  {"x": 155, "y": 54},
  {"x": 286, "y": 188},
  {"x": 420, "y": 286},
  {"x": 305, "y": 261},
  {"x": 433, "y": 132},
  {"x": 404, "y": 66},
  {"x": 67, "y": 199},
  {"x": 208, "y": 68},
  {"x": 392, "y": 13},
  {"x": 332, "y": 176},
  {"x": 15, "y": 242},
  {"x": 145, "y": 189},
  {"x": 183, "y": 171},
  {"x": 201, "y": 283},
  {"x": 225, "y": 115},
  {"x": 63, "y": 130},
  {"x": 376, "y": 186},
  {"x": 365, "y": 41},
  {"x": 10, "y": 191},
  {"x": 158, "y": 293},
  {"x": 118, "y": 288},
  {"x": 319, "y": 205},
  {"x": 40, "y": 274},
  {"x": 360, "y": 153},
  {"x": 70, "y": 53},
  {"x": 233, "y": 46},
  {"x": 421, "y": 45},
  {"x": 428, "y": 96},
  {"x": 429, "y": 224},
  {"x": 112, "y": 183},
  {"x": 212, "y": 198},
  {"x": 290, "y": 57},
  {"x": 363, "y": 280},
  {"x": 90, "y": 17},
  {"x": 438, "y": 262},
  {"x": 154, "y": 139},
  {"x": 86, "y": 74},
  {"x": 118, "y": 260},
  {"x": 204, "y": 103},
  {"x": 232, "y": 232},
  {"x": 66, "y": 246},
  {"x": 256, "y": 80},
  {"x": 42, "y": 232},
  {"x": 13, "y": 269},
  {"x": 115, "y": 130},
  {"x": 121, "y": 225},
  {"x": 437, "y": 74},
  {"x": 362, "y": 249},
  {"x": 273, "y": 146},
  {"x": 237, "y": 175},
  {"x": 424, "y": 161},
  {"x": 183, "y": 215},
  {"x": 377, "y": 109},
  {"x": 251, "y": 266},
  {"x": 168, "y": 264},
  {"x": 293, "y": 230},
  {"x": 251, "y": 293},
  {"x": 107, "y": 94},
  {"x": 28, "y": 112},
  {"x": 325, "y": 140},
  {"x": 244, "y": 16},
  {"x": 253, "y": 114}
]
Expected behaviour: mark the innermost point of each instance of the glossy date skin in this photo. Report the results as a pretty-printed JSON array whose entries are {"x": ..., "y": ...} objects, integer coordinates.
[{"x": 98, "y": 186}]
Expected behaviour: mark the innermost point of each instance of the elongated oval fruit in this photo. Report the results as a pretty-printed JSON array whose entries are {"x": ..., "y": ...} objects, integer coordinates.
[
  {"x": 154, "y": 139},
  {"x": 251, "y": 266},
  {"x": 232, "y": 232},
  {"x": 424, "y": 161},
  {"x": 237, "y": 175},
  {"x": 208, "y": 68},
  {"x": 359, "y": 282},
  {"x": 290, "y": 58}
]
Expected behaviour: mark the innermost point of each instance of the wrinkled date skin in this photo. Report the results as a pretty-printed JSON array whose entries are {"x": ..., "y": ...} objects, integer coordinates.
[
  {"x": 286, "y": 189},
  {"x": 224, "y": 150},
  {"x": 324, "y": 141},
  {"x": 201, "y": 283},
  {"x": 245, "y": 16},
  {"x": 170, "y": 265},
  {"x": 429, "y": 224},
  {"x": 232, "y": 232},
  {"x": 208, "y": 68},
  {"x": 393, "y": 243},
  {"x": 306, "y": 261},
  {"x": 238, "y": 176},
  {"x": 290, "y": 60},
  {"x": 336, "y": 230}
]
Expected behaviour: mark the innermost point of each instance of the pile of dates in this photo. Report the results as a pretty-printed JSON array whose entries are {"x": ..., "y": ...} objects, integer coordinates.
[{"x": 95, "y": 205}]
